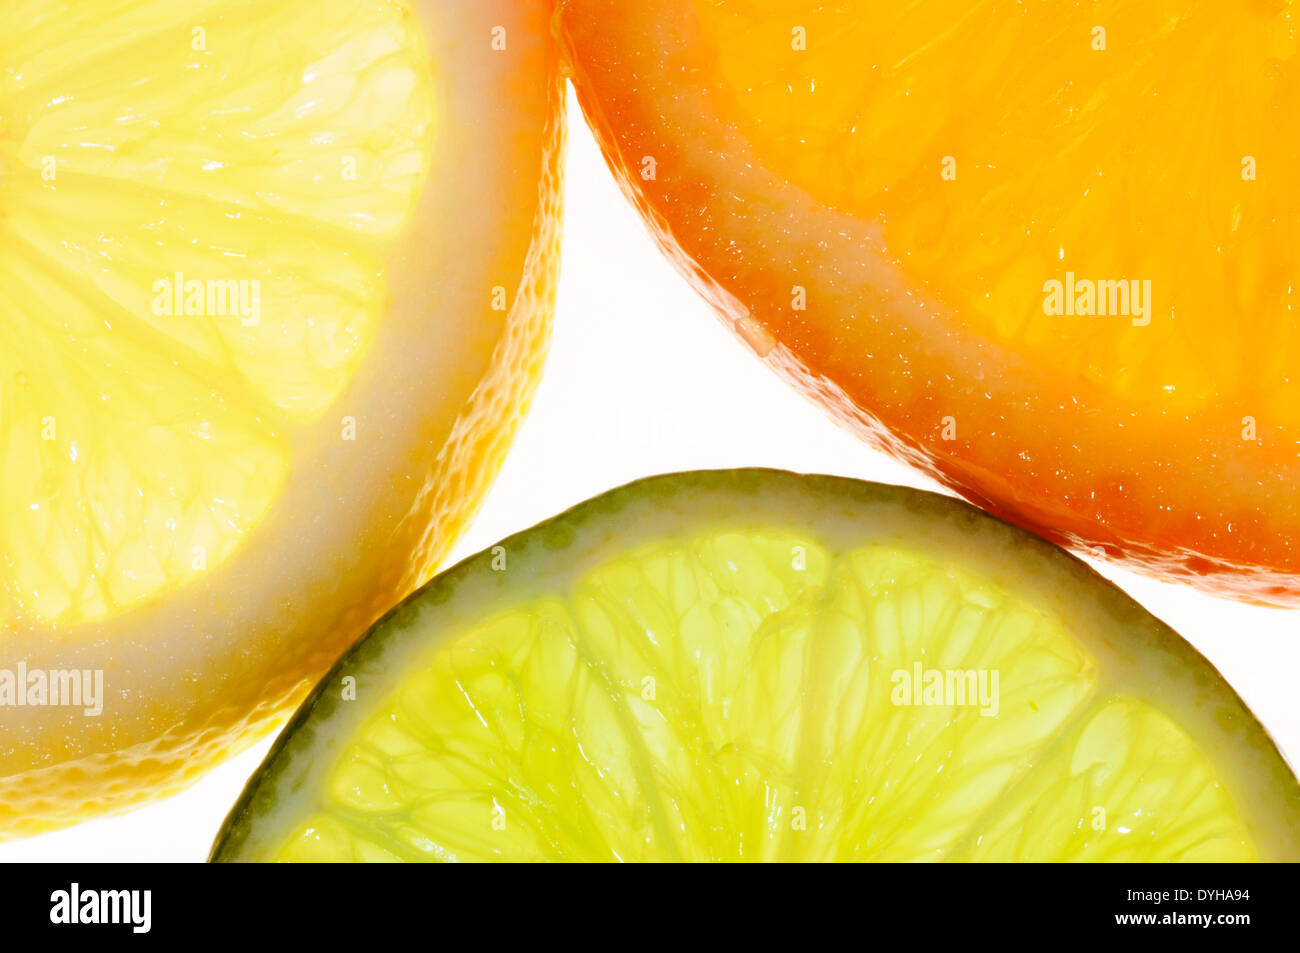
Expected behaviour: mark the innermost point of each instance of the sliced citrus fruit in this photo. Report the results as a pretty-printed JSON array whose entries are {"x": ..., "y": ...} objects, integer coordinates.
[
  {"x": 755, "y": 665},
  {"x": 1046, "y": 251},
  {"x": 276, "y": 285}
]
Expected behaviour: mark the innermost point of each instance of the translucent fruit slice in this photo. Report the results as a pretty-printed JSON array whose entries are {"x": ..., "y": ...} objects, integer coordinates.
[
  {"x": 754, "y": 665},
  {"x": 275, "y": 287},
  {"x": 1046, "y": 251}
]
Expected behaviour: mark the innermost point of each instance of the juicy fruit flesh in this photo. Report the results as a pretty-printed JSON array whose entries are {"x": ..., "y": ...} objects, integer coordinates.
[
  {"x": 1065, "y": 157},
  {"x": 263, "y": 159},
  {"x": 792, "y": 159},
  {"x": 377, "y": 406},
  {"x": 736, "y": 696}
]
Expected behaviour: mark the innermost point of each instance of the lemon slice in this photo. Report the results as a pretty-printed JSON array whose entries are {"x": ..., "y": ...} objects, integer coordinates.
[
  {"x": 753, "y": 665},
  {"x": 275, "y": 285}
]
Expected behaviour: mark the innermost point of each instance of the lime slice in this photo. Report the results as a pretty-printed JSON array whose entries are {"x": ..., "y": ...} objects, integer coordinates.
[{"x": 754, "y": 665}]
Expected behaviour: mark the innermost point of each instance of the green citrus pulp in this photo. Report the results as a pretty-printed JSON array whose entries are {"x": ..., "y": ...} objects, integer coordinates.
[{"x": 753, "y": 665}]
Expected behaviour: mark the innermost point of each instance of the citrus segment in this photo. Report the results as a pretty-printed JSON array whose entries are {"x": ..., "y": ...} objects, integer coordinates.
[
  {"x": 277, "y": 284},
  {"x": 759, "y": 666},
  {"x": 285, "y": 320},
  {"x": 184, "y": 213},
  {"x": 113, "y": 480},
  {"x": 1000, "y": 88},
  {"x": 1045, "y": 252},
  {"x": 1125, "y": 766}
]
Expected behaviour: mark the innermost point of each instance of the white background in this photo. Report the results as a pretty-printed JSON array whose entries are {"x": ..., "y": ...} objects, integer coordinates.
[{"x": 643, "y": 379}]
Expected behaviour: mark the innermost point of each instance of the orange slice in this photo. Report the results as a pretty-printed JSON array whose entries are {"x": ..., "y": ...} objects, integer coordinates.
[{"x": 1046, "y": 252}]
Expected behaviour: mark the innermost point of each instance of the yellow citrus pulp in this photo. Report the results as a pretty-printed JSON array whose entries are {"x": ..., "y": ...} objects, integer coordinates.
[{"x": 275, "y": 288}]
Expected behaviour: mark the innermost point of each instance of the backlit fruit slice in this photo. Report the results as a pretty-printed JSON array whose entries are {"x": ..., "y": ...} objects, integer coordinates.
[
  {"x": 275, "y": 288},
  {"x": 883, "y": 199},
  {"x": 754, "y": 665}
]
